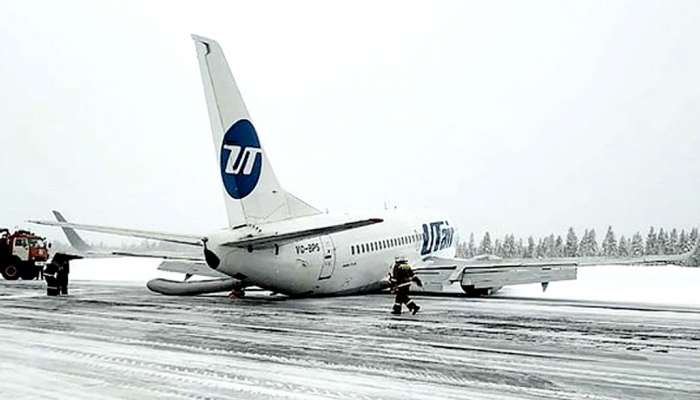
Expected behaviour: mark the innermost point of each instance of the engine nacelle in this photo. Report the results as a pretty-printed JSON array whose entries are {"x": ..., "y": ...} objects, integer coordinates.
[{"x": 192, "y": 288}]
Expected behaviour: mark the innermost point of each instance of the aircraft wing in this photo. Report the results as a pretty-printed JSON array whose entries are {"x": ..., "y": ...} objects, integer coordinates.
[
  {"x": 279, "y": 238},
  {"x": 489, "y": 274},
  {"x": 192, "y": 240}
]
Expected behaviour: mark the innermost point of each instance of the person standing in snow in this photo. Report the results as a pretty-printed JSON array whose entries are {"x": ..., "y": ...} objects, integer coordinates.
[{"x": 401, "y": 278}]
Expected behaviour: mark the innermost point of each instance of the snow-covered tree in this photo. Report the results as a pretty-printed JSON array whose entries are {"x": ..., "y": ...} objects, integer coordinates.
[
  {"x": 651, "y": 248},
  {"x": 485, "y": 246},
  {"x": 672, "y": 245},
  {"x": 661, "y": 242},
  {"x": 583, "y": 245},
  {"x": 588, "y": 246},
  {"x": 637, "y": 245},
  {"x": 558, "y": 247},
  {"x": 693, "y": 238},
  {"x": 609, "y": 243},
  {"x": 548, "y": 244},
  {"x": 571, "y": 247},
  {"x": 593, "y": 242},
  {"x": 683, "y": 242},
  {"x": 498, "y": 248},
  {"x": 459, "y": 250},
  {"x": 471, "y": 246},
  {"x": 505, "y": 251},
  {"x": 520, "y": 249},
  {"x": 530, "y": 251},
  {"x": 539, "y": 249},
  {"x": 623, "y": 248}
]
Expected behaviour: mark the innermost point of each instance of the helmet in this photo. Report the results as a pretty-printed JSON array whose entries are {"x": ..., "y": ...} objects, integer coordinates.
[{"x": 400, "y": 260}]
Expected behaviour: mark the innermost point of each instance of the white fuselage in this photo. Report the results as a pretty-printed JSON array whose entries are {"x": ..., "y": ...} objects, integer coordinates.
[{"x": 352, "y": 261}]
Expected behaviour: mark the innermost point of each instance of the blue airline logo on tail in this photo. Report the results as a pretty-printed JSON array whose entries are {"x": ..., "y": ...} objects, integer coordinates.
[{"x": 241, "y": 159}]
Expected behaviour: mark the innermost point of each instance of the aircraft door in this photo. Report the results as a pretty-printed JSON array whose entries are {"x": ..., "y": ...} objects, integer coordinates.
[
  {"x": 328, "y": 261},
  {"x": 21, "y": 248}
]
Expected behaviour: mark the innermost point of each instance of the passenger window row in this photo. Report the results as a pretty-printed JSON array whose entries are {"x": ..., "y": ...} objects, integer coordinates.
[{"x": 385, "y": 244}]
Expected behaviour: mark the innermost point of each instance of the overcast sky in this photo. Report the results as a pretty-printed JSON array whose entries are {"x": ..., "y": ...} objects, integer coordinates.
[{"x": 523, "y": 117}]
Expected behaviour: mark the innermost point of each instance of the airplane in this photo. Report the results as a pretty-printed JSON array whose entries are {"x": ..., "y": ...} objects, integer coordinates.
[{"x": 277, "y": 242}]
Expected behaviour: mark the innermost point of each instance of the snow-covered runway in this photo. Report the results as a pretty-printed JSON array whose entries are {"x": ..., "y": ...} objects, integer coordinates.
[{"x": 120, "y": 341}]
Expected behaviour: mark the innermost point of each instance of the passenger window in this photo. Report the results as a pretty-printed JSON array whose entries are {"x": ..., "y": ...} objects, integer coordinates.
[{"x": 352, "y": 249}]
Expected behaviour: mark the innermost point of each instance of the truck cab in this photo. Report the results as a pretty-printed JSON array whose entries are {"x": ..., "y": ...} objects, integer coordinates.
[{"x": 22, "y": 254}]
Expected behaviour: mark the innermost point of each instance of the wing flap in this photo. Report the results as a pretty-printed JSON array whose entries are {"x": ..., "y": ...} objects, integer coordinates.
[
  {"x": 493, "y": 274},
  {"x": 482, "y": 278}
]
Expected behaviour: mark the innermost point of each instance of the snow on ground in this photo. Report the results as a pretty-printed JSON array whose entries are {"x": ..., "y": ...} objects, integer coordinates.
[{"x": 661, "y": 285}]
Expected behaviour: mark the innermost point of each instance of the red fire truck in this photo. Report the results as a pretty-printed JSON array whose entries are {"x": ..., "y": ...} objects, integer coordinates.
[{"x": 22, "y": 254}]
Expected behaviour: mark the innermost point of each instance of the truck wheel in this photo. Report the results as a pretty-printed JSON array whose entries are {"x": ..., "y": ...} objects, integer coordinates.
[{"x": 10, "y": 272}]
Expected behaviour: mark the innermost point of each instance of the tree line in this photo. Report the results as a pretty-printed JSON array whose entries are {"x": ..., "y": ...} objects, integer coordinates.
[{"x": 657, "y": 242}]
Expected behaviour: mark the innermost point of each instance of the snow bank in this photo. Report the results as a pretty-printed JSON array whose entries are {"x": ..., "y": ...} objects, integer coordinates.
[{"x": 663, "y": 285}]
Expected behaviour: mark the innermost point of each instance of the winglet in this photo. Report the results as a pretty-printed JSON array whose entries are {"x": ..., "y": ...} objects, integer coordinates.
[{"x": 73, "y": 238}]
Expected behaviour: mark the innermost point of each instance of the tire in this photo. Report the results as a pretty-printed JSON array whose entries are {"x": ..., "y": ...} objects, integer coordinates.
[
  {"x": 470, "y": 291},
  {"x": 10, "y": 272}
]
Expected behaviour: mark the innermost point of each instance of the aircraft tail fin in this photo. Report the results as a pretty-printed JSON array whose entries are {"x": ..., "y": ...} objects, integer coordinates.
[{"x": 252, "y": 192}]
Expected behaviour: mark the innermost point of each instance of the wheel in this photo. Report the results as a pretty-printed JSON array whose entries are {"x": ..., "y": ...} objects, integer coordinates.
[
  {"x": 10, "y": 272},
  {"x": 471, "y": 291}
]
